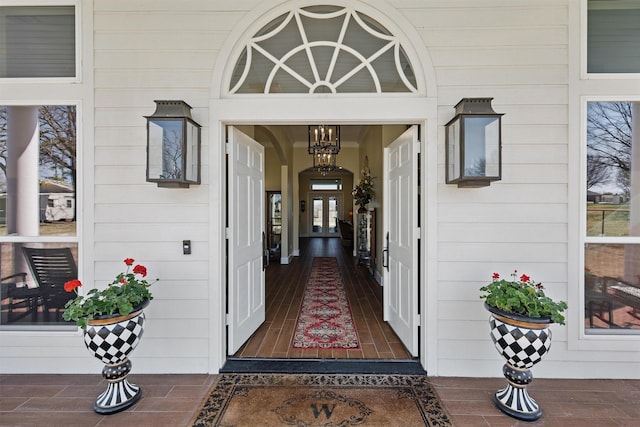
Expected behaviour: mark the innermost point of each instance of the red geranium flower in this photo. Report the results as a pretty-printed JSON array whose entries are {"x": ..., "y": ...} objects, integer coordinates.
[
  {"x": 496, "y": 276},
  {"x": 129, "y": 261},
  {"x": 140, "y": 269},
  {"x": 72, "y": 285},
  {"x": 524, "y": 278}
]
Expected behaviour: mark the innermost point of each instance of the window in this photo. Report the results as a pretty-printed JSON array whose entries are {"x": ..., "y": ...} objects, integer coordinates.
[
  {"x": 612, "y": 247},
  {"x": 613, "y": 36},
  {"x": 325, "y": 184},
  {"x": 37, "y": 41},
  {"x": 293, "y": 54},
  {"x": 37, "y": 202}
]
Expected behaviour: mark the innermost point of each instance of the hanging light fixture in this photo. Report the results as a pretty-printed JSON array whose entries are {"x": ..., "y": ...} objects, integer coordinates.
[{"x": 324, "y": 146}]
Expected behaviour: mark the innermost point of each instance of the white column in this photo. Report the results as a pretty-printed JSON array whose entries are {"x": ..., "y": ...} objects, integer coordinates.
[
  {"x": 23, "y": 208},
  {"x": 632, "y": 252},
  {"x": 285, "y": 241}
]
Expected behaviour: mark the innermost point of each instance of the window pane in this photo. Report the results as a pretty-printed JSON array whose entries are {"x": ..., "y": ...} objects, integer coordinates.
[
  {"x": 40, "y": 41},
  {"x": 326, "y": 184},
  {"x": 318, "y": 210},
  {"x": 333, "y": 214},
  {"x": 613, "y": 39},
  {"x": 610, "y": 180},
  {"x": 31, "y": 296},
  {"x": 52, "y": 167},
  {"x": 612, "y": 287}
]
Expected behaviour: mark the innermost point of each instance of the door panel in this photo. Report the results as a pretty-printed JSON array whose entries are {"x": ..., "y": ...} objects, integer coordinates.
[
  {"x": 400, "y": 228},
  {"x": 317, "y": 216},
  {"x": 246, "y": 238}
]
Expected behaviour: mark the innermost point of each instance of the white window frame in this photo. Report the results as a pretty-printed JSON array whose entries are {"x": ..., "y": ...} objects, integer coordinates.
[
  {"x": 583, "y": 88},
  {"x": 584, "y": 52},
  {"x": 77, "y": 239},
  {"x": 78, "y": 43}
]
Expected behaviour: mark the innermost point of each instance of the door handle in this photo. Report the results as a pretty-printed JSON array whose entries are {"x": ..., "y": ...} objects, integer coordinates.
[
  {"x": 265, "y": 252},
  {"x": 385, "y": 254}
]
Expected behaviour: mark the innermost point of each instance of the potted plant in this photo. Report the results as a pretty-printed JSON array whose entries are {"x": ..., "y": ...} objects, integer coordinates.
[
  {"x": 112, "y": 320},
  {"x": 363, "y": 192},
  {"x": 522, "y": 297},
  {"x": 520, "y": 317}
]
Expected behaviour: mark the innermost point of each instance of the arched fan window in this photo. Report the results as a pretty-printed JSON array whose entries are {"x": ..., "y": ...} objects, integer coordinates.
[{"x": 323, "y": 49}]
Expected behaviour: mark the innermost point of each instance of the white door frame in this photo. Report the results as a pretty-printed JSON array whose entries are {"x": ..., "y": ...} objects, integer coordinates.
[{"x": 399, "y": 109}]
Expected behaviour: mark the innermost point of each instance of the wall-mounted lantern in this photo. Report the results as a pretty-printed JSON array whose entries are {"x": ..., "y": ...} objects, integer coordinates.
[
  {"x": 473, "y": 144},
  {"x": 173, "y": 146}
]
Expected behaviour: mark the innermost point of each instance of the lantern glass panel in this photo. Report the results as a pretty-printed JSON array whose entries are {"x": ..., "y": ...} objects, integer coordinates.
[
  {"x": 165, "y": 149},
  {"x": 192, "y": 152},
  {"x": 481, "y": 147},
  {"x": 453, "y": 142}
]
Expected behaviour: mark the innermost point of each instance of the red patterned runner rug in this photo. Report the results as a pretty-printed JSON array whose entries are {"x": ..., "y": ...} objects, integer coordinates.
[{"x": 325, "y": 319}]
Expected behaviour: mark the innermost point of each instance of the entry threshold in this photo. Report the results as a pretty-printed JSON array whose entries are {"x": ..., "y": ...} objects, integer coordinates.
[{"x": 322, "y": 366}]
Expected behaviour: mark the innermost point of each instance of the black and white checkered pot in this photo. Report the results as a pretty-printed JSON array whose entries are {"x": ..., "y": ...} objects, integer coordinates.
[
  {"x": 522, "y": 341},
  {"x": 111, "y": 339}
]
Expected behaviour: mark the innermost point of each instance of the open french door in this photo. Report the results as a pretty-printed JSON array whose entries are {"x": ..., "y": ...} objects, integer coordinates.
[
  {"x": 400, "y": 236},
  {"x": 246, "y": 238}
]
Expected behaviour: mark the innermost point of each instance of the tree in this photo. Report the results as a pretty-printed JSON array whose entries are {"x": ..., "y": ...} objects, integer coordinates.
[
  {"x": 597, "y": 171},
  {"x": 609, "y": 143},
  {"x": 57, "y": 141}
]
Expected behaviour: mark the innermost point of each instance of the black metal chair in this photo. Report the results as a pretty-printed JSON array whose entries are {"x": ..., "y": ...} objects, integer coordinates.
[
  {"x": 20, "y": 299},
  {"x": 51, "y": 269}
]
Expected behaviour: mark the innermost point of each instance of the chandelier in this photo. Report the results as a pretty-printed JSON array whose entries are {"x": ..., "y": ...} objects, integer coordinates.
[{"x": 324, "y": 146}]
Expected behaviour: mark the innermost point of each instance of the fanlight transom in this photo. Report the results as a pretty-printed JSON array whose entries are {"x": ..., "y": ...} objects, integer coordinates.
[{"x": 323, "y": 49}]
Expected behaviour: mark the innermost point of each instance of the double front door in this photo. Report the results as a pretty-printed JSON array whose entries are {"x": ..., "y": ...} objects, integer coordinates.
[
  {"x": 247, "y": 237},
  {"x": 325, "y": 211}
]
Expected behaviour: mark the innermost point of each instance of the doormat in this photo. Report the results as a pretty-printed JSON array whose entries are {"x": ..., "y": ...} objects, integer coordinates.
[
  {"x": 307, "y": 400},
  {"x": 325, "y": 319}
]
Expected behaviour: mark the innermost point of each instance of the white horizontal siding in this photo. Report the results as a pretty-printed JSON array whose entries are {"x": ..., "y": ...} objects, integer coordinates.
[
  {"x": 117, "y": 232},
  {"x": 523, "y": 96},
  {"x": 466, "y": 211},
  {"x": 503, "y": 233},
  {"x": 509, "y": 56},
  {"x": 481, "y": 16},
  {"x": 469, "y": 290},
  {"x": 194, "y": 59},
  {"x": 138, "y": 99},
  {"x": 163, "y": 213},
  {"x": 169, "y": 6},
  {"x": 479, "y": 272},
  {"x": 505, "y": 252},
  {"x": 179, "y": 21}
]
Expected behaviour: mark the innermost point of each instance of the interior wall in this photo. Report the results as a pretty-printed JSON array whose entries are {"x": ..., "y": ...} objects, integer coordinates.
[{"x": 272, "y": 178}]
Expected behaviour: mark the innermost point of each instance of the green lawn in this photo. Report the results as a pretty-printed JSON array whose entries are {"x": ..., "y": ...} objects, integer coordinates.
[
  {"x": 607, "y": 220},
  {"x": 60, "y": 228}
]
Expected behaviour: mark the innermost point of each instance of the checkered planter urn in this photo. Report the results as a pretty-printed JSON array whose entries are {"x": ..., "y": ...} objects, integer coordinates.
[
  {"x": 111, "y": 339},
  {"x": 522, "y": 341}
]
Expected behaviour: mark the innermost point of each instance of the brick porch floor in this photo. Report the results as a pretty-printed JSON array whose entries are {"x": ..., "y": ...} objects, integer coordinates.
[{"x": 172, "y": 400}]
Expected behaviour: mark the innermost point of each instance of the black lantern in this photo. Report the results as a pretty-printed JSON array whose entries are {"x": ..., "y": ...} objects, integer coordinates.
[
  {"x": 473, "y": 144},
  {"x": 173, "y": 146},
  {"x": 324, "y": 146}
]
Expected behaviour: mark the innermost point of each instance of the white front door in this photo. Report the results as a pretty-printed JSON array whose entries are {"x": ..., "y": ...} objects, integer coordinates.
[
  {"x": 400, "y": 237},
  {"x": 246, "y": 305}
]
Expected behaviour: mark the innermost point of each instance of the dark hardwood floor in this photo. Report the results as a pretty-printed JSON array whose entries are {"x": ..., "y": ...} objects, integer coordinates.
[{"x": 284, "y": 289}]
